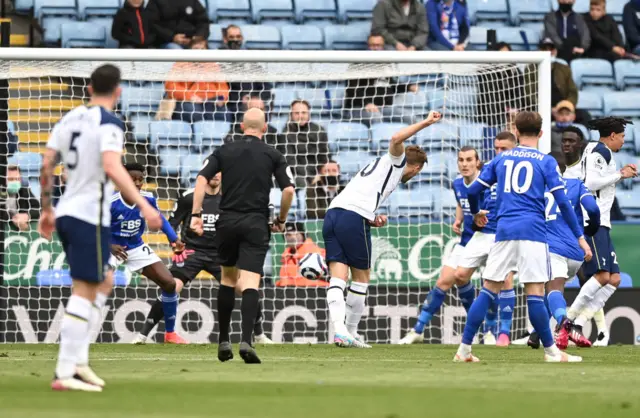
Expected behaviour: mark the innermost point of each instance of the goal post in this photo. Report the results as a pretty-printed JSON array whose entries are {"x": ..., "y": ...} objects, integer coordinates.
[{"x": 478, "y": 93}]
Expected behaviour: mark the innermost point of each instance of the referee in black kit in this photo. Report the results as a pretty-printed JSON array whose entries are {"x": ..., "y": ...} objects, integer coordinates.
[{"x": 242, "y": 238}]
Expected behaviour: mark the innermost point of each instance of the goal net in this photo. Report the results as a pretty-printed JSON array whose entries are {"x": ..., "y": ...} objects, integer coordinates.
[{"x": 179, "y": 106}]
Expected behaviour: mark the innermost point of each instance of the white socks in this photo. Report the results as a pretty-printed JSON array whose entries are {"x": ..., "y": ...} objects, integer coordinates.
[
  {"x": 601, "y": 323},
  {"x": 336, "y": 304},
  {"x": 73, "y": 335},
  {"x": 96, "y": 315},
  {"x": 596, "y": 304},
  {"x": 586, "y": 295},
  {"x": 356, "y": 300}
]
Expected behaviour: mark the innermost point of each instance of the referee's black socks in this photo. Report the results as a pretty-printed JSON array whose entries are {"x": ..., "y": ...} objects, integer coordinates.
[
  {"x": 226, "y": 302},
  {"x": 249, "y": 309}
]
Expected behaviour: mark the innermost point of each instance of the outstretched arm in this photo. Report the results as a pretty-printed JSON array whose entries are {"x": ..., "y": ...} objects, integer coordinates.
[
  {"x": 396, "y": 146},
  {"x": 567, "y": 212},
  {"x": 473, "y": 194},
  {"x": 589, "y": 204}
]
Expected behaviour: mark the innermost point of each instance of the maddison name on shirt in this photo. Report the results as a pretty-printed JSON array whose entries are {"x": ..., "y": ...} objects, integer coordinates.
[{"x": 524, "y": 154}]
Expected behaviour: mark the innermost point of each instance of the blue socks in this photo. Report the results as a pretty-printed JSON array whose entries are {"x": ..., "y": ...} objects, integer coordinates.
[
  {"x": 507, "y": 305},
  {"x": 491, "y": 320},
  {"x": 539, "y": 318},
  {"x": 476, "y": 314},
  {"x": 557, "y": 305},
  {"x": 431, "y": 306},
  {"x": 170, "y": 309},
  {"x": 467, "y": 294}
]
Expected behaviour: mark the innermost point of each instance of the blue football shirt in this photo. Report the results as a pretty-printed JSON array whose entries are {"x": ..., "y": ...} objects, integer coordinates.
[
  {"x": 491, "y": 204},
  {"x": 522, "y": 175},
  {"x": 127, "y": 223},
  {"x": 561, "y": 239},
  {"x": 460, "y": 190}
]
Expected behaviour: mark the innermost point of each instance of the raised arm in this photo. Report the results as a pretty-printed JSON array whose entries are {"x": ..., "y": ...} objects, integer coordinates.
[{"x": 396, "y": 146}]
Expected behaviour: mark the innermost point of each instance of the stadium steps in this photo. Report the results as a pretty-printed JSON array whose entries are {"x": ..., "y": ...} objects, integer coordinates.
[
  {"x": 22, "y": 118},
  {"x": 19, "y": 40},
  {"x": 38, "y": 104},
  {"x": 36, "y": 84},
  {"x": 39, "y": 149},
  {"x": 33, "y": 137}
]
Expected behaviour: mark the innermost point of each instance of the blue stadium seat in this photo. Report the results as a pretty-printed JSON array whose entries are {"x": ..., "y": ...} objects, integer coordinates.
[
  {"x": 29, "y": 162},
  {"x": 521, "y": 39},
  {"x": 411, "y": 203},
  {"x": 83, "y": 35},
  {"x": 471, "y": 133},
  {"x": 592, "y": 72},
  {"x": 314, "y": 9},
  {"x": 302, "y": 37},
  {"x": 341, "y": 37},
  {"x": 141, "y": 99},
  {"x": 23, "y": 6},
  {"x": 381, "y": 134},
  {"x": 210, "y": 134},
  {"x": 170, "y": 134},
  {"x": 52, "y": 27},
  {"x": 91, "y": 8},
  {"x": 580, "y": 6},
  {"x": 627, "y": 74},
  {"x": 629, "y": 201},
  {"x": 417, "y": 103},
  {"x": 492, "y": 10},
  {"x": 279, "y": 122},
  {"x": 317, "y": 99},
  {"x": 439, "y": 136},
  {"x": 272, "y": 9},
  {"x": 348, "y": 135},
  {"x": 625, "y": 281},
  {"x": 261, "y": 37},
  {"x": 215, "y": 36},
  {"x": 229, "y": 9},
  {"x": 447, "y": 161},
  {"x": 46, "y": 8},
  {"x": 477, "y": 39},
  {"x": 528, "y": 11},
  {"x": 591, "y": 101},
  {"x": 429, "y": 175},
  {"x": 191, "y": 165},
  {"x": 282, "y": 98},
  {"x": 140, "y": 125},
  {"x": 106, "y": 23},
  {"x": 615, "y": 7},
  {"x": 355, "y": 9},
  {"x": 628, "y": 148},
  {"x": 170, "y": 161},
  {"x": 351, "y": 162},
  {"x": 622, "y": 104},
  {"x": 585, "y": 131}
]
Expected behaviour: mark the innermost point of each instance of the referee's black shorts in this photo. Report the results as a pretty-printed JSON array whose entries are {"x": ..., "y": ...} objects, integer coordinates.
[
  {"x": 242, "y": 240},
  {"x": 200, "y": 260}
]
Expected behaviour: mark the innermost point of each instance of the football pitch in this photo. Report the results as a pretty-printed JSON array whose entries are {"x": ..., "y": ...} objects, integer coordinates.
[{"x": 307, "y": 381}]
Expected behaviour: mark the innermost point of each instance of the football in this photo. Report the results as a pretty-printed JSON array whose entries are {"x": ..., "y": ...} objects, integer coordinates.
[{"x": 313, "y": 267}]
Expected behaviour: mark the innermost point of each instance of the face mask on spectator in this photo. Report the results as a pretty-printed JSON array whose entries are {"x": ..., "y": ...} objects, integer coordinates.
[
  {"x": 332, "y": 180},
  {"x": 563, "y": 124},
  {"x": 565, "y": 7},
  {"x": 234, "y": 44},
  {"x": 13, "y": 187}
]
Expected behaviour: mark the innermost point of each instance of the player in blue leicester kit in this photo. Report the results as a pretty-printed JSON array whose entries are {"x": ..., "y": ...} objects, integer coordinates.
[
  {"x": 564, "y": 251},
  {"x": 522, "y": 175},
  {"x": 127, "y": 247}
]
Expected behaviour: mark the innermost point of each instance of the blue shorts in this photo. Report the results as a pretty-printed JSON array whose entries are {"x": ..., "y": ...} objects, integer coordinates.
[
  {"x": 347, "y": 238},
  {"x": 604, "y": 255},
  {"x": 86, "y": 246}
]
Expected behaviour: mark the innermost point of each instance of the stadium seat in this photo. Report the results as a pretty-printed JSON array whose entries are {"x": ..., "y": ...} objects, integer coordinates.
[
  {"x": 106, "y": 23},
  {"x": 625, "y": 281},
  {"x": 170, "y": 161},
  {"x": 622, "y": 104},
  {"x": 341, "y": 37},
  {"x": 351, "y": 162},
  {"x": 381, "y": 134},
  {"x": 348, "y": 135},
  {"x": 477, "y": 39},
  {"x": 591, "y": 101},
  {"x": 23, "y": 6},
  {"x": 471, "y": 133},
  {"x": 317, "y": 98},
  {"x": 417, "y": 103},
  {"x": 629, "y": 201},
  {"x": 261, "y": 37},
  {"x": 210, "y": 134},
  {"x": 215, "y": 36},
  {"x": 282, "y": 98},
  {"x": 302, "y": 37},
  {"x": 279, "y": 123},
  {"x": 627, "y": 74},
  {"x": 314, "y": 9},
  {"x": 583, "y": 129},
  {"x": 140, "y": 125},
  {"x": 47, "y": 8},
  {"x": 191, "y": 165},
  {"x": 141, "y": 99},
  {"x": 272, "y": 9},
  {"x": 169, "y": 134},
  {"x": 355, "y": 9},
  {"x": 488, "y": 10},
  {"x": 629, "y": 146},
  {"x": 83, "y": 35},
  {"x": 528, "y": 11},
  {"x": 521, "y": 39},
  {"x": 411, "y": 203},
  {"x": 29, "y": 162},
  {"x": 614, "y": 9},
  {"x": 447, "y": 160},
  {"x": 588, "y": 71},
  {"x": 51, "y": 27},
  {"x": 429, "y": 175},
  {"x": 229, "y": 9},
  {"x": 92, "y": 8},
  {"x": 439, "y": 136}
]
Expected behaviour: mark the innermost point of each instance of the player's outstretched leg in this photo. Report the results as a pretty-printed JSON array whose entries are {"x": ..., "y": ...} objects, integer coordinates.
[
  {"x": 558, "y": 308},
  {"x": 476, "y": 315},
  {"x": 159, "y": 274},
  {"x": 597, "y": 304}
]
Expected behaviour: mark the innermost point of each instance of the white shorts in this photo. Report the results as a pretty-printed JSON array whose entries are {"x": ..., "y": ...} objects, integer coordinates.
[
  {"x": 137, "y": 259},
  {"x": 563, "y": 267},
  {"x": 454, "y": 257},
  {"x": 529, "y": 258},
  {"x": 477, "y": 250}
]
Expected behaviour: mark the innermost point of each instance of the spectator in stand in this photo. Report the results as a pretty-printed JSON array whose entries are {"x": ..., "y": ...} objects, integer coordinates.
[
  {"x": 402, "y": 24},
  {"x": 179, "y": 23},
  {"x": 21, "y": 205},
  {"x": 564, "y": 115},
  {"x": 198, "y": 100},
  {"x": 132, "y": 26},
  {"x": 370, "y": 100},
  {"x": 240, "y": 91},
  {"x": 631, "y": 24},
  {"x": 606, "y": 40},
  {"x": 304, "y": 143},
  {"x": 567, "y": 30},
  {"x": 323, "y": 188},
  {"x": 297, "y": 246},
  {"x": 270, "y": 137},
  {"x": 448, "y": 25}
]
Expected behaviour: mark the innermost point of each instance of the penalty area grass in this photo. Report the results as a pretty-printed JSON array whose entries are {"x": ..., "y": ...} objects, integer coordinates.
[{"x": 308, "y": 381}]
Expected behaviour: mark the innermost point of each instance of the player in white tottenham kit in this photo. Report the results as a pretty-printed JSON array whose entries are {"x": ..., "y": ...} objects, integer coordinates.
[
  {"x": 601, "y": 176},
  {"x": 347, "y": 228},
  {"x": 88, "y": 140}
]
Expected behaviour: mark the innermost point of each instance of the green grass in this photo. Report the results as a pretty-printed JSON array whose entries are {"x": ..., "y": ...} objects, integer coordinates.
[{"x": 324, "y": 381}]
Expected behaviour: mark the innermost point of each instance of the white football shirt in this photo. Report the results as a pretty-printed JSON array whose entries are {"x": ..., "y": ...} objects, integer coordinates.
[
  {"x": 371, "y": 186},
  {"x": 601, "y": 175},
  {"x": 574, "y": 171},
  {"x": 80, "y": 138}
]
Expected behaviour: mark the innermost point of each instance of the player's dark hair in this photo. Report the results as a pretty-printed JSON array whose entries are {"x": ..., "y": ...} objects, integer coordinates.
[
  {"x": 105, "y": 79},
  {"x": 609, "y": 125},
  {"x": 134, "y": 167},
  {"x": 467, "y": 148},
  {"x": 500, "y": 45},
  {"x": 506, "y": 135},
  {"x": 13, "y": 167},
  {"x": 575, "y": 130},
  {"x": 415, "y": 155},
  {"x": 560, "y": 159},
  {"x": 302, "y": 101},
  {"x": 529, "y": 123}
]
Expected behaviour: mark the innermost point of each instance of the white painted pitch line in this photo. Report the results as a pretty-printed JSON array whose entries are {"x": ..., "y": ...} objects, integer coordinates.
[{"x": 213, "y": 358}]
